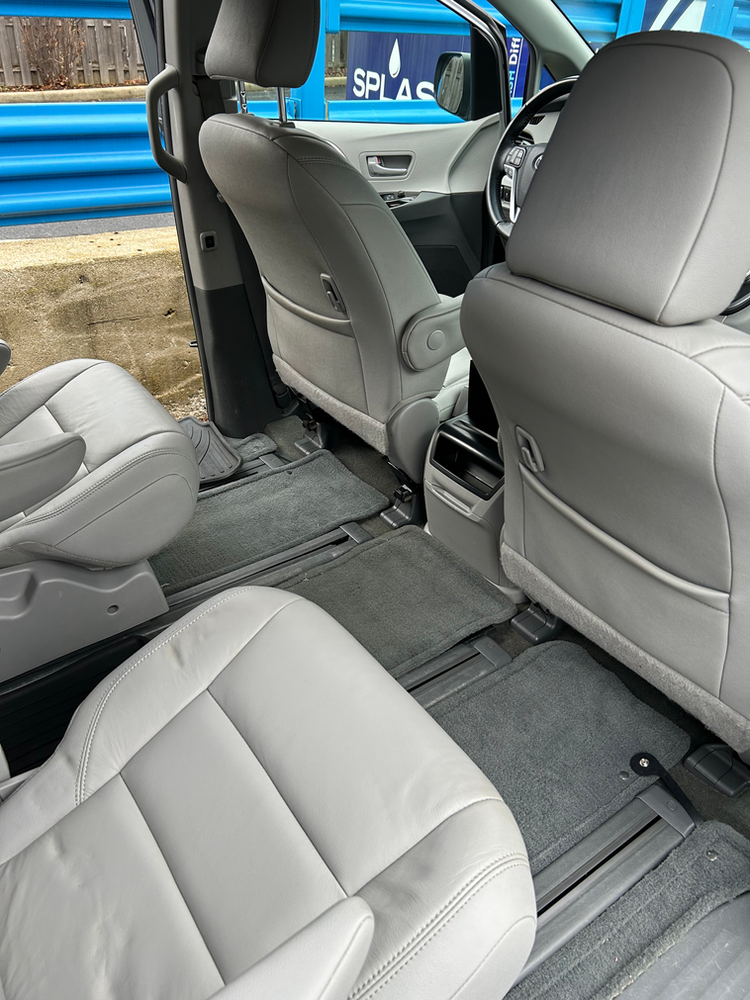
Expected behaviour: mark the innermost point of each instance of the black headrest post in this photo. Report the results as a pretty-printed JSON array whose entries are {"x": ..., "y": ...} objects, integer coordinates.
[{"x": 282, "y": 105}]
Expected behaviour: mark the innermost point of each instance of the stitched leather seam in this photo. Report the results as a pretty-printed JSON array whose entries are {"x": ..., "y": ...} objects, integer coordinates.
[
  {"x": 521, "y": 863},
  {"x": 88, "y": 742},
  {"x": 503, "y": 280},
  {"x": 325, "y": 159},
  {"x": 729, "y": 531},
  {"x": 63, "y": 431},
  {"x": 294, "y": 816},
  {"x": 325, "y": 258},
  {"x": 34, "y": 519},
  {"x": 353, "y": 940},
  {"x": 109, "y": 510},
  {"x": 86, "y": 747},
  {"x": 460, "y": 380},
  {"x": 171, "y": 873},
  {"x": 267, "y": 39},
  {"x": 714, "y": 347},
  {"x": 489, "y": 956},
  {"x": 24, "y": 381},
  {"x": 502, "y": 861},
  {"x": 717, "y": 182}
]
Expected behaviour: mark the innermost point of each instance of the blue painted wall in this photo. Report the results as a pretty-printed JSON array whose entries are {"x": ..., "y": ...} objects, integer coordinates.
[
  {"x": 118, "y": 9},
  {"x": 88, "y": 160},
  {"x": 77, "y": 161}
]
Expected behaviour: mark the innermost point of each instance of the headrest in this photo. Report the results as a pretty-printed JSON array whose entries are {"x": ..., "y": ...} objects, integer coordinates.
[
  {"x": 268, "y": 42},
  {"x": 642, "y": 199}
]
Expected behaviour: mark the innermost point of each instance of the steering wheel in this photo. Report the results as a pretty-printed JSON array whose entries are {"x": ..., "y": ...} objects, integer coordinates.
[{"x": 519, "y": 162}]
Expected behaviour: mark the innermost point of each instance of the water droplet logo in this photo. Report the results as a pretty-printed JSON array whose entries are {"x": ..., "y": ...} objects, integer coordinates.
[{"x": 394, "y": 63}]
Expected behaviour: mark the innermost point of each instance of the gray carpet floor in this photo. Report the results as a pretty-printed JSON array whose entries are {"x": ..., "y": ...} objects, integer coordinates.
[
  {"x": 710, "y": 868},
  {"x": 358, "y": 457},
  {"x": 710, "y": 803},
  {"x": 242, "y": 522},
  {"x": 574, "y": 727},
  {"x": 253, "y": 447},
  {"x": 405, "y": 597}
]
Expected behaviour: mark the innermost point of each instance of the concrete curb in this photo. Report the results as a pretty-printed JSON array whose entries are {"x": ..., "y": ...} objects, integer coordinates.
[
  {"x": 79, "y": 94},
  {"x": 116, "y": 296},
  {"x": 136, "y": 93}
]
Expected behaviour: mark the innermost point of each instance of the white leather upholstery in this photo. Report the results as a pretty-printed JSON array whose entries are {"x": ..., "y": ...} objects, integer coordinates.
[
  {"x": 636, "y": 529},
  {"x": 453, "y": 397},
  {"x": 640, "y": 200},
  {"x": 235, "y": 780},
  {"x": 311, "y": 218},
  {"x": 135, "y": 488},
  {"x": 253, "y": 43}
]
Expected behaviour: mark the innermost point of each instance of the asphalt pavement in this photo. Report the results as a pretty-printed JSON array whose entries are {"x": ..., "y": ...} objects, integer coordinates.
[{"x": 83, "y": 227}]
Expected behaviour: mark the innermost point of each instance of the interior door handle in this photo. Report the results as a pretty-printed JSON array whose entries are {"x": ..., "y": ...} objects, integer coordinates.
[{"x": 377, "y": 168}]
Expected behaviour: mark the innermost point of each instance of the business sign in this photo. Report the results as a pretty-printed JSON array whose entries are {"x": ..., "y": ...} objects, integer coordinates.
[
  {"x": 673, "y": 15},
  {"x": 518, "y": 64},
  {"x": 384, "y": 66}
]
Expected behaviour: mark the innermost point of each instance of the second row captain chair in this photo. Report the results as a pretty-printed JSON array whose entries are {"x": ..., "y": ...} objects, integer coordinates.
[
  {"x": 355, "y": 322},
  {"x": 95, "y": 477}
]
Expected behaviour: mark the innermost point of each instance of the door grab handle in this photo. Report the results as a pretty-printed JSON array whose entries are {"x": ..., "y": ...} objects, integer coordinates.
[
  {"x": 163, "y": 82},
  {"x": 377, "y": 169}
]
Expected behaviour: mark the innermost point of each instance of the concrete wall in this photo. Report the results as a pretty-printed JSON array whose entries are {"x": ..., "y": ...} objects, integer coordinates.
[{"x": 116, "y": 296}]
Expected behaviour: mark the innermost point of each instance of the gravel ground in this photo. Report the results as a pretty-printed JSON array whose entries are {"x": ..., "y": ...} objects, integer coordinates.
[{"x": 193, "y": 407}]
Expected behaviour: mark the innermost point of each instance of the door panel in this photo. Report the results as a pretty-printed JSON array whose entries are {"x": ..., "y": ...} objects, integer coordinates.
[{"x": 438, "y": 192}]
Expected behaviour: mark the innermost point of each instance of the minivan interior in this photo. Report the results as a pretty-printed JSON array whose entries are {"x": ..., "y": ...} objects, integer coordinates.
[{"x": 421, "y": 670}]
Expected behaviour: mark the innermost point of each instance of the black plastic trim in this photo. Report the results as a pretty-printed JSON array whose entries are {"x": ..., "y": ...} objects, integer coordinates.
[{"x": 460, "y": 434}]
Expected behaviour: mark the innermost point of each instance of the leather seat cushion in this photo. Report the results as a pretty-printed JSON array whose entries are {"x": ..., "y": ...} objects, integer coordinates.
[
  {"x": 138, "y": 461},
  {"x": 234, "y": 780}
]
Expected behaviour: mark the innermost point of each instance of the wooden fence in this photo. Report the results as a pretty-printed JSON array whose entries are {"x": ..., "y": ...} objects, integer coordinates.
[{"x": 110, "y": 55}]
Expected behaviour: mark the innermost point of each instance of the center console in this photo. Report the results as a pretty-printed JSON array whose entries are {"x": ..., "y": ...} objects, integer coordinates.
[{"x": 464, "y": 483}]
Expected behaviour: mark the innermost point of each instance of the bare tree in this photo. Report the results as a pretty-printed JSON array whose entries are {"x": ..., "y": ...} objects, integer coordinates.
[{"x": 53, "y": 46}]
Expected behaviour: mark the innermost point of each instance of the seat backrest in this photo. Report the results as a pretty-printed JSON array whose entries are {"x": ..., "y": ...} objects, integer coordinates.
[
  {"x": 623, "y": 405},
  {"x": 318, "y": 230}
]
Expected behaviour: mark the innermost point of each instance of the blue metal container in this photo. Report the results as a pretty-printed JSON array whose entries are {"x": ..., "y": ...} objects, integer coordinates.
[
  {"x": 86, "y": 160},
  {"x": 77, "y": 161}
]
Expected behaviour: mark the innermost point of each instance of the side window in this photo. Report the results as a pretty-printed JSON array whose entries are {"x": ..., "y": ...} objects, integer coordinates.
[
  {"x": 381, "y": 58},
  {"x": 388, "y": 66},
  {"x": 375, "y": 63}
]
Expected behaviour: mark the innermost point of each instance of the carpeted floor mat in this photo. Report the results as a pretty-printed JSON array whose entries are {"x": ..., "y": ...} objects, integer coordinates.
[
  {"x": 242, "y": 522},
  {"x": 555, "y": 732},
  {"x": 252, "y": 447},
  {"x": 710, "y": 868},
  {"x": 405, "y": 596}
]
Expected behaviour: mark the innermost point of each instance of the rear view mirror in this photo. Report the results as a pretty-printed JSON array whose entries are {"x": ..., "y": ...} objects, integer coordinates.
[{"x": 453, "y": 83}]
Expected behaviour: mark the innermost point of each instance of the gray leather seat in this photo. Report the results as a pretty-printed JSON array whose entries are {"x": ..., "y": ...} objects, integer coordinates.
[
  {"x": 355, "y": 322},
  {"x": 252, "y": 800},
  {"x": 93, "y": 470},
  {"x": 623, "y": 405}
]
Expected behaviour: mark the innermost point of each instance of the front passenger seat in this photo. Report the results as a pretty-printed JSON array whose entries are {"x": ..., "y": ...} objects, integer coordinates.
[
  {"x": 623, "y": 404},
  {"x": 354, "y": 320}
]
